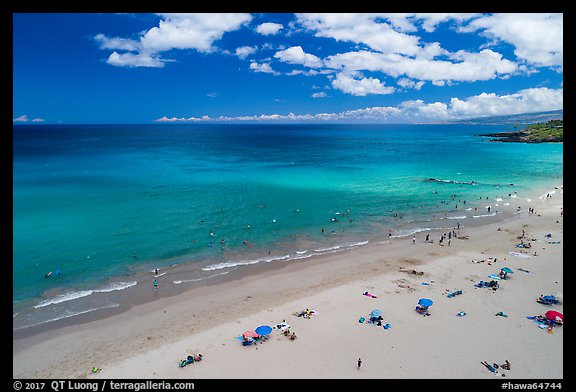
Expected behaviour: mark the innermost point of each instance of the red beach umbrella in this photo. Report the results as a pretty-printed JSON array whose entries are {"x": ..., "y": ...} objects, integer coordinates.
[
  {"x": 554, "y": 315},
  {"x": 250, "y": 334}
]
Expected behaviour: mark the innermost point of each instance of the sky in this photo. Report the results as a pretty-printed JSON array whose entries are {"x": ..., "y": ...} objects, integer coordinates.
[{"x": 108, "y": 68}]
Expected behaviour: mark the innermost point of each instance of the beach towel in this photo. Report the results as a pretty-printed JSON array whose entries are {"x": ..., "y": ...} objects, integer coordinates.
[
  {"x": 281, "y": 326},
  {"x": 524, "y": 256},
  {"x": 494, "y": 277},
  {"x": 454, "y": 293}
]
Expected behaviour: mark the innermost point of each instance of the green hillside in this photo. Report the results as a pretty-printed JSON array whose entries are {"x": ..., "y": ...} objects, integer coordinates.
[{"x": 549, "y": 132}]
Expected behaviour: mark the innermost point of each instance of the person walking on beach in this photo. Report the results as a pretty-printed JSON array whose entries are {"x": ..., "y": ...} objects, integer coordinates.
[
  {"x": 413, "y": 239},
  {"x": 155, "y": 284},
  {"x": 359, "y": 363}
]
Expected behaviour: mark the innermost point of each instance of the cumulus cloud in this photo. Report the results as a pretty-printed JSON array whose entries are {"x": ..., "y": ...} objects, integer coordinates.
[
  {"x": 296, "y": 55},
  {"x": 390, "y": 44},
  {"x": 269, "y": 28},
  {"x": 174, "y": 31},
  {"x": 116, "y": 43},
  {"x": 245, "y": 51},
  {"x": 357, "y": 84},
  {"x": 182, "y": 119},
  {"x": 366, "y": 29},
  {"x": 320, "y": 94},
  {"x": 262, "y": 67},
  {"x": 417, "y": 111},
  {"x": 523, "y": 101},
  {"x": 409, "y": 83},
  {"x": 538, "y": 38},
  {"x": 465, "y": 66},
  {"x": 22, "y": 118},
  {"x": 135, "y": 60}
]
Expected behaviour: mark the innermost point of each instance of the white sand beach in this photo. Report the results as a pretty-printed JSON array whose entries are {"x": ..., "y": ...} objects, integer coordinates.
[{"x": 149, "y": 340}]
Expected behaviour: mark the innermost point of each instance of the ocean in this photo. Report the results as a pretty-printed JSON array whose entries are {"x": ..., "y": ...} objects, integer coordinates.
[{"x": 100, "y": 207}]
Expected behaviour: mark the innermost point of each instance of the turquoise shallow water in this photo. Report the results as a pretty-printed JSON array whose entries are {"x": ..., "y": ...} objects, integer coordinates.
[{"x": 95, "y": 202}]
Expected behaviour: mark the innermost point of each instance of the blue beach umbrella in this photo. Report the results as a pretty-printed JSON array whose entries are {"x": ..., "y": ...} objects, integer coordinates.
[
  {"x": 375, "y": 313},
  {"x": 425, "y": 302},
  {"x": 508, "y": 270},
  {"x": 263, "y": 330}
]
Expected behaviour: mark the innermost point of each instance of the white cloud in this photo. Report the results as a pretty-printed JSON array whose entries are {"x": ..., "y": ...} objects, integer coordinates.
[
  {"x": 523, "y": 101},
  {"x": 134, "y": 60},
  {"x": 431, "y": 21},
  {"x": 182, "y": 119},
  {"x": 296, "y": 55},
  {"x": 320, "y": 94},
  {"x": 245, "y": 51},
  {"x": 116, "y": 43},
  {"x": 408, "y": 83},
  {"x": 22, "y": 118},
  {"x": 191, "y": 31},
  {"x": 174, "y": 31},
  {"x": 310, "y": 72},
  {"x": 262, "y": 67},
  {"x": 357, "y": 84},
  {"x": 391, "y": 44},
  {"x": 466, "y": 66},
  {"x": 362, "y": 29},
  {"x": 537, "y": 37},
  {"x": 417, "y": 111},
  {"x": 269, "y": 28}
]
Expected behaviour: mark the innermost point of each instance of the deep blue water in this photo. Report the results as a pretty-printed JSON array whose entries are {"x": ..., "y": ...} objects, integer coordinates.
[{"x": 88, "y": 197}]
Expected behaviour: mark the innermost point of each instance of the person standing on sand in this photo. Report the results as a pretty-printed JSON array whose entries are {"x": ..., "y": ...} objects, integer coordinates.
[
  {"x": 155, "y": 284},
  {"x": 413, "y": 239},
  {"x": 359, "y": 363}
]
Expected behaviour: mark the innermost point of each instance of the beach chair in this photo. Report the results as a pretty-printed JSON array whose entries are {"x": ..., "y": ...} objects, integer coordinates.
[{"x": 423, "y": 310}]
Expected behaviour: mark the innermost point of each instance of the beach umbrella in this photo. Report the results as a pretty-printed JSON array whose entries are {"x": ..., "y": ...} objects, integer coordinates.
[
  {"x": 250, "y": 334},
  {"x": 263, "y": 330},
  {"x": 508, "y": 270},
  {"x": 425, "y": 302},
  {"x": 554, "y": 315},
  {"x": 375, "y": 313}
]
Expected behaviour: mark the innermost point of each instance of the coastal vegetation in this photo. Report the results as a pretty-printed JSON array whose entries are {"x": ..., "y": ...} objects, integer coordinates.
[{"x": 551, "y": 131}]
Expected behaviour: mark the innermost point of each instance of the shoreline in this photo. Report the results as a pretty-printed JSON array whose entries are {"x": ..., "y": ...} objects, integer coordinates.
[
  {"x": 124, "y": 300},
  {"x": 118, "y": 301},
  {"x": 166, "y": 321},
  {"x": 81, "y": 305}
]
